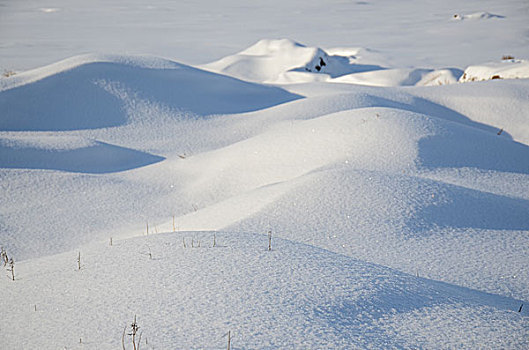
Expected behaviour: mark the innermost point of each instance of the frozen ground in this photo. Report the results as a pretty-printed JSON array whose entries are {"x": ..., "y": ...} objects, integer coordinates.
[{"x": 395, "y": 184}]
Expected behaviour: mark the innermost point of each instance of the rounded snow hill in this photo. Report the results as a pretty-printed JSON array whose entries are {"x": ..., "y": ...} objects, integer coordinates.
[
  {"x": 286, "y": 61},
  {"x": 89, "y": 92},
  {"x": 187, "y": 290},
  {"x": 500, "y": 104}
]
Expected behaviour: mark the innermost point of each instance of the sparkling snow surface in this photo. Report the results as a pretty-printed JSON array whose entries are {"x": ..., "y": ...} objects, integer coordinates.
[{"x": 394, "y": 180}]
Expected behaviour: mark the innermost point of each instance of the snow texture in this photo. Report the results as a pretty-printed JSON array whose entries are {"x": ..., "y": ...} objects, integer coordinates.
[
  {"x": 294, "y": 296},
  {"x": 397, "y": 196}
]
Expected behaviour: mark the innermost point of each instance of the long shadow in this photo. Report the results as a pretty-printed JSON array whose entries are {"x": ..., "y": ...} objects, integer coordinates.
[
  {"x": 396, "y": 294},
  {"x": 458, "y": 148},
  {"x": 469, "y": 144},
  {"x": 462, "y": 207},
  {"x": 97, "y": 159}
]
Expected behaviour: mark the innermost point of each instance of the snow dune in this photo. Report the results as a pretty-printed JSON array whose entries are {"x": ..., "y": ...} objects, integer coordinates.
[
  {"x": 96, "y": 92},
  {"x": 363, "y": 187},
  {"x": 295, "y": 296},
  {"x": 90, "y": 92},
  {"x": 284, "y": 61}
]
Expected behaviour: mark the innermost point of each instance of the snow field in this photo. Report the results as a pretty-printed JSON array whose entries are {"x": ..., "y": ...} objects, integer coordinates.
[
  {"x": 396, "y": 194},
  {"x": 417, "y": 34},
  {"x": 295, "y": 296},
  {"x": 428, "y": 180}
]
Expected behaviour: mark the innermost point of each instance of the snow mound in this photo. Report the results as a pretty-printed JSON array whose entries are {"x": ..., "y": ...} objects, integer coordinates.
[
  {"x": 33, "y": 75},
  {"x": 476, "y": 16},
  {"x": 91, "y": 92},
  {"x": 286, "y": 61},
  {"x": 410, "y": 223},
  {"x": 502, "y": 105},
  {"x": 507, "y": 69},
  {"x": 294, "y": 296},
  {"x": 423, "y": 180},
  {"x": 349, "y": 180}
]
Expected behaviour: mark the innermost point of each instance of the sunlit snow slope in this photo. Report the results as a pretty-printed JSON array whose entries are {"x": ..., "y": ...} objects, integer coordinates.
[
  {"x": 295, "y": 296},
  {"x": 397, "y": 196},
  {"x": 345, "y": 168},
  {"x": 285, "y": 61}
]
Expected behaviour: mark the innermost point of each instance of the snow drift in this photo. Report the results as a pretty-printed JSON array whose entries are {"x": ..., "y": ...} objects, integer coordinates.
[
  {"x": 294, "y": 296},
  {"x": 427, "y": 181},
  {"x": 94, "y": 92},
  {"x": 284, "y": 61}
]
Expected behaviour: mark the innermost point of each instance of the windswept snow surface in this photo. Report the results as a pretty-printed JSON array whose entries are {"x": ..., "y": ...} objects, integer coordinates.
[
  {"x": 295, "y": 296},
  {"x": 397, "y": 196},
  {"x": 412, "y": 179}
]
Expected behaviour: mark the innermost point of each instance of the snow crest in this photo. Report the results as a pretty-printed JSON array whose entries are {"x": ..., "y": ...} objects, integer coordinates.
[{"x": 288, "y": 62}]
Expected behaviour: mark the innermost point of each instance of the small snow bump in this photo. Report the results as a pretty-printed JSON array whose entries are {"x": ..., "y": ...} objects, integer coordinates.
[{"x": 49, "y": 9}]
